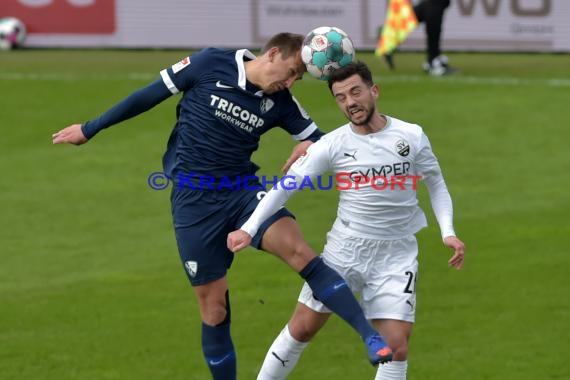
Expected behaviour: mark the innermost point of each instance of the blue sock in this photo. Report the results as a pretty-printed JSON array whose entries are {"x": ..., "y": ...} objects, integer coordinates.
[
  {"x": 219, "y": 352},
  {"x": 329, "y": 288}
]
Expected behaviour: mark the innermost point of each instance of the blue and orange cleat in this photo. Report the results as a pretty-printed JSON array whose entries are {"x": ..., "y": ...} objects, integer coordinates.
[{"x": 378, "y": 350}]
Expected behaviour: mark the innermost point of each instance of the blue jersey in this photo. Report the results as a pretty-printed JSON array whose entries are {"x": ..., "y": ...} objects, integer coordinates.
[{"x": 222, "y": 116}]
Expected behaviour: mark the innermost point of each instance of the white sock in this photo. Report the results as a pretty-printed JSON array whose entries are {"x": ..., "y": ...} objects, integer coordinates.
[
  {"x": 281, "y": 357},
  {"x": 392, "y": 371}
]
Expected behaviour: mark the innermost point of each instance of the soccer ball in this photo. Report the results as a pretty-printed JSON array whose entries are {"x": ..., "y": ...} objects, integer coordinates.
[
  {"x": 326, "y": 48},
  {"x": 12, "y": 33}
]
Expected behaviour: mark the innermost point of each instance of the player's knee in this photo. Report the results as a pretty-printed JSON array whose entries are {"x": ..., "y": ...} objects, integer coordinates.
[
  {"x": 305, "y": 324},
  {"x": 296, "y": 252},
  {"x": 214, "y": 318},
  {"x": 215, "y": 315},
  {"x": 302, "y": 250},
  {"x": 400, "y": 351},
  {"x": 301, "y": 256},
  {"x": 301, "y": 332}
]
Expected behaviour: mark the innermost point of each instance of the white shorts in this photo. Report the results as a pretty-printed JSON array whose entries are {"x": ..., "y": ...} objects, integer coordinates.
[{"x": 383, "y": 272}]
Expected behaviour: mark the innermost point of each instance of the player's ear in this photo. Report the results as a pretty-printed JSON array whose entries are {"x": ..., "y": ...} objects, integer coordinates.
[
  {"x": 272, "y": 53},
  {"x": 375, "y": 89}
]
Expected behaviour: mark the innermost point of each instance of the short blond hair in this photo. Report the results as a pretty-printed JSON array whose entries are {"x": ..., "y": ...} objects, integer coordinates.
[{"x": 288, "y": 43}]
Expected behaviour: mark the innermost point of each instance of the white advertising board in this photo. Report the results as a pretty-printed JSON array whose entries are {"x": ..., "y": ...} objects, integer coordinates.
[{"x": 470, "y": 25}]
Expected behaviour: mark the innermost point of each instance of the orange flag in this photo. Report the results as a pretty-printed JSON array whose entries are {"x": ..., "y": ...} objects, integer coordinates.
[{"x": 400, "y": 22}]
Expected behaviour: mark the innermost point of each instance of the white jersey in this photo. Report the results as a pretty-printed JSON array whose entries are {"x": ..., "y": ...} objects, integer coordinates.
[{"x": 377, "y": 175}]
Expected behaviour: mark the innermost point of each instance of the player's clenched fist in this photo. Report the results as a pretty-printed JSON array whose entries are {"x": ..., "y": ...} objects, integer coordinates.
[
  {"x": 70, "y": 135},
  {"x": 238, "y": 240}
]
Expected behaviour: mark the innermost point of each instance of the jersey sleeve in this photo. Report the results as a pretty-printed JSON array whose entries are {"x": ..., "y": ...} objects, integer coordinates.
[
  {"x": 271, "y": 203},
  {"x": 426, "y": 162},
  {"x": 295, "y": 120},
  {"x": 184, "y": 74},
  {"x": 138, "y": 102},
  {"x": 440, "y": 199}
]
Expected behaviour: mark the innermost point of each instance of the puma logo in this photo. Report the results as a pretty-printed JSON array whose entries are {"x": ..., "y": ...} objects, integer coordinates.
[
  {"x": 353, "y": 155},
  {"x": 278, "y": 358}
]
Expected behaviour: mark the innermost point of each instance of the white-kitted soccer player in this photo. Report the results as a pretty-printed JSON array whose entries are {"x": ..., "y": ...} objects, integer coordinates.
[{"x": 377, "y": 160}]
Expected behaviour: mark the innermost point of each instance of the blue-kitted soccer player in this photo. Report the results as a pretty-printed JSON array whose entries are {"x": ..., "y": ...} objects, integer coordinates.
[{"x": 230, "y": 98}]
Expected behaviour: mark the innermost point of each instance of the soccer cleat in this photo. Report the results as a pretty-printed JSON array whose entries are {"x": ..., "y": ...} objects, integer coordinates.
[
  {"x": 378, "y": 350},
  {"x": 439, "y": 66}
]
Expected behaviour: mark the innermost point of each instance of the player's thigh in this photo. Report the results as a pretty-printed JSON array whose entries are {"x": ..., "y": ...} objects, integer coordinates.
[
  {"x": 390, "y": 290},
  {"x": 283, "y": 238},
  {"x": 349, "y": 256},
  {"x": 340, "y": 254},
  {"x": 307, "y": 298},
  {"x": 248, "y": 201},
  {"x": 202, "y": 220}
]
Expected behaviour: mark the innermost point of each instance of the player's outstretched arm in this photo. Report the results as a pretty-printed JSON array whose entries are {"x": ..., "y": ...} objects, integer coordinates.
[
  {"x": 269, "y": 205},
  {"x": 70, "y": 135},
  {"x": 458, "y": 247},
  {"x": 315, "y": 164},
  {"x": 238, "y": 240},
  {"x": 138, "y": 102}
]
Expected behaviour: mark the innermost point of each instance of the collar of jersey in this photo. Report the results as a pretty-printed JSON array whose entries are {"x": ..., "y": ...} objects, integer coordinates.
[
  {"x": 388, "y": 124},
  {"x": 242, "y": 80}
]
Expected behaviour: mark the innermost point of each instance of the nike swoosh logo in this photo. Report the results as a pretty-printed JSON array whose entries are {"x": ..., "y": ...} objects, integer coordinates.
[
  {"x": 221, "y": 85},
  {"x": 216, "y": 362},
  {"x": 338, "y": 286}
]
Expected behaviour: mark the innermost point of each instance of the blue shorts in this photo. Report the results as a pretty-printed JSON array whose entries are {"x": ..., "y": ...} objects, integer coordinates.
[{"x": 202, "y": 221}]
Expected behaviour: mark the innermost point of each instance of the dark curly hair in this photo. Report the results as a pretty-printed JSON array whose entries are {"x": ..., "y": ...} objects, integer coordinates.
[{"x": 354, "y": 68}]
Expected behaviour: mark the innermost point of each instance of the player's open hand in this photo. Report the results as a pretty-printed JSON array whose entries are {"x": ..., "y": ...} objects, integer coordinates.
[
  {"x": 299, "y": 150},
  {"x": 458, "y": 247},
  {"x": 69, "y": 135},
  {"x": 238, "y": 240}
]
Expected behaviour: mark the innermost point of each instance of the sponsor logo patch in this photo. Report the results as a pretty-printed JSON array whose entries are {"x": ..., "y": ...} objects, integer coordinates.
[
  {"x": 266, "y": 104},
  {"x": 403, "y": 148},
  {"x": 180, "y": 65},
  {"x": 191, "y": 268}
]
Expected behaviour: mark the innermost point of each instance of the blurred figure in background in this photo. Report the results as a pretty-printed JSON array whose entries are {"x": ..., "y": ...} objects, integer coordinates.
[
  {"x": 430, "y": 12},
  {"x": 402, "y": 18}
]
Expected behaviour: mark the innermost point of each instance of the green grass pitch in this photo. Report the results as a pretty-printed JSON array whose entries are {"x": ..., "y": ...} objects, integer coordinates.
[{"x": 90, "y": 282}]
